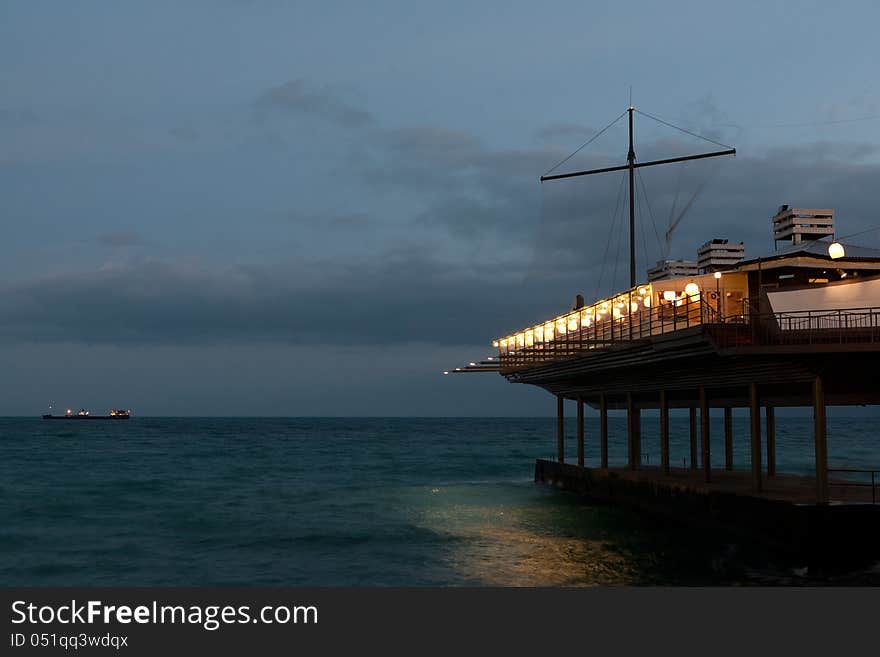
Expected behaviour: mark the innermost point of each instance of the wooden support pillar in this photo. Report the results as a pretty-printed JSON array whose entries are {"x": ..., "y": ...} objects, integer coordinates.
[
  {"x": 704, "y": 434},
  {"x": 821, "y": 442},
  {"x": 637, "y": 436},
  {"x": 693, "y": 417},
  {"x": 560, "y": 430},
  {"x": 633, "y": 433},
  {"x": 629, "y": 432},
  {"x": 770, "y": 412},
  {"x": 728, "y": 438},
  {"x": 664, "y": 432},
  {"x": 603, "y": 430},
  {"x": 755, "y": 426},
  {"x": 580, "y": 430}
]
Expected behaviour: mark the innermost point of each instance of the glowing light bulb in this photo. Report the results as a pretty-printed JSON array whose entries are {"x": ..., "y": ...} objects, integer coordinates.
[
  {"x": 691, "y": 289},
  {"x": 669, "y": 295},
  {"x": 717, "y": 274},
  {"x": 836, "y": 250}
]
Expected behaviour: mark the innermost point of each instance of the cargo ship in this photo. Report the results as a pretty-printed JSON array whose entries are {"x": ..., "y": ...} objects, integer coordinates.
[{"x": 83, "y": 414}]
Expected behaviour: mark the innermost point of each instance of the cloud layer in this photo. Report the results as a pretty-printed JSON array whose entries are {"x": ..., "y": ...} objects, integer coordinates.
[{"x": 448, "y": 239}]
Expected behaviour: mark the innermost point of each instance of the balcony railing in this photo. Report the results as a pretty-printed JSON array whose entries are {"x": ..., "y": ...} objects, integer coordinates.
[
  {"x": 806, "y": 327},
  {"x": 611, "y": 330},
  {"x": 742, "y": 328}
]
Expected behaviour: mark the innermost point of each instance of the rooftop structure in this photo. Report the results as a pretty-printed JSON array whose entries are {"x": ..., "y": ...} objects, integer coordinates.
[
  {"x": 718, "y": 255},
  {"x": 672, "y": 268},
  {"x": 802, "y": 224}
]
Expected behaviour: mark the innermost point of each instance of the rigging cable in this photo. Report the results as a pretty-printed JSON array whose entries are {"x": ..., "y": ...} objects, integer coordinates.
[
  {"x": 687, "y": 132},
  {"x": 610, "y": 237},
  {"x": 672, "y": 211},
  {"x": 587, "y": 143},
  {"x": 650, "y": 211},
  {"x": 640, "y": 215},
  {"x": 620, "y": 240}
]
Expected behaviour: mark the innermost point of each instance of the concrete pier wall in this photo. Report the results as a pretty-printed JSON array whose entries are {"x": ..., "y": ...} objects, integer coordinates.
[{"x": 833, "y": 534}]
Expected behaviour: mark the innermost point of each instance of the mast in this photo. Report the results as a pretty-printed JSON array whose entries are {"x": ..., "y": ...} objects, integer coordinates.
[
  {"x": 632, "y": 166},
  {"x": 631, "y": 160}
]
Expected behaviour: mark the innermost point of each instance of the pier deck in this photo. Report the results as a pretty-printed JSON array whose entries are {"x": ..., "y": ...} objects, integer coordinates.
[
  {"x": 794, "y": 489},
  {"x": 784, "y": 515}
]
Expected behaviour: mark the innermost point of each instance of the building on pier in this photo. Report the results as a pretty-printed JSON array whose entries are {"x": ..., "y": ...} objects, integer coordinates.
[
  {"x": 802, "y": 224},
  {"x": 799, "y": 326},
  {"x": 718, "y": 255},
  {"x": 673, "y": 269},
  {"x": 796, "y": 328}
]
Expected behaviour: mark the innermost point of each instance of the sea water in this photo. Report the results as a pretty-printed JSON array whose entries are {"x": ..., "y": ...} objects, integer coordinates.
[{"x": 364, "y": 502}]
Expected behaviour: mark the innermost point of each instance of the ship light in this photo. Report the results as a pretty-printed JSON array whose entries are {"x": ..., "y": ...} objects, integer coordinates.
[
  {"x": 642, "y": 291},
  {"x": 836, "y": 250},
  {"x": 472, "y": 364},
  {"x": 495, "y": 343},
  {"x": 647, "y": 302},
  {"x": 446, "y": 372},
  {"x": 717, "y": 275},
  {"x": 691, "y": 289},
  {"x": 669, "y": 295},
  {"x": 633, "y": 306}
]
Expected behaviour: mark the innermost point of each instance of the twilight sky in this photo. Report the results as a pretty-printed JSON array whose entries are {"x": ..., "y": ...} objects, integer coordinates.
[{"x": 290, "y": 208}]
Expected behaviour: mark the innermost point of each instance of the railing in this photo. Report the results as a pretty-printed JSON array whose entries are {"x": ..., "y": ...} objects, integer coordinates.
[
  {"x": 807, "y": 327},
  {"x": 603, "y": 333},
  {"x": 744, "y": 327},
  {"x": 875, "y": 479}
]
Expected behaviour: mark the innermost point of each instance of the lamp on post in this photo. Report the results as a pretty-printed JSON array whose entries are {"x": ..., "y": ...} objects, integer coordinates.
[{"x": 718, "y": 295}]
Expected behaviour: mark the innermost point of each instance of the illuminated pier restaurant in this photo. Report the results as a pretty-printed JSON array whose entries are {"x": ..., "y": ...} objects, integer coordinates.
[{"x": 796, "y": 327}]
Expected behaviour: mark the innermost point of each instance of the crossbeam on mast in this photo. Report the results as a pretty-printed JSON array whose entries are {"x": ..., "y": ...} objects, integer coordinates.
[{"x": 638, "y": 165}]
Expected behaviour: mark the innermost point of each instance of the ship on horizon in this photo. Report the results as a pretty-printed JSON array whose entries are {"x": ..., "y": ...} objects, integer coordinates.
[{"x": 84, "y": 414}]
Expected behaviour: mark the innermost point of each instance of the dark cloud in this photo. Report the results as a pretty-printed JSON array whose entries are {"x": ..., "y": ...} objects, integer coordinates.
[
  {"x": 301, "y": 98},
  {"x": 403, "y": 297}
]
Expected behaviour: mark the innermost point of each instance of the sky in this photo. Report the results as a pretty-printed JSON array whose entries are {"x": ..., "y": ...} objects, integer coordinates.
[{"x": 291, "y": 208}]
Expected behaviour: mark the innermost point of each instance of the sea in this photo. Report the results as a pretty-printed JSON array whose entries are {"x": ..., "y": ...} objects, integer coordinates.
[{"x": 362, "y": 502}]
